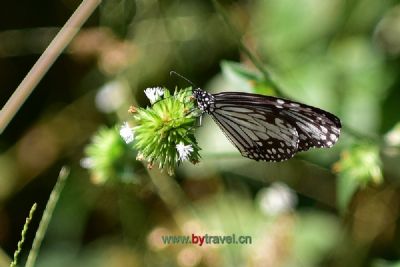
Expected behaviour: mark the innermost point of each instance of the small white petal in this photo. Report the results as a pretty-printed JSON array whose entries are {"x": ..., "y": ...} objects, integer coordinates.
[
  {"x": 127, "y": 133},
  {"x": 184, "y": 151},
  {"x": 154, "y": 94}
]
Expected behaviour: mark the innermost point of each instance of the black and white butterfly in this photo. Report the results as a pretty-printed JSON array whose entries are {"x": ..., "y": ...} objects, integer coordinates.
[{"x": 269, "y": 128}]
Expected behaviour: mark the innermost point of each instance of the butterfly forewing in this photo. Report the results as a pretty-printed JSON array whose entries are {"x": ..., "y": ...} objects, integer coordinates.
[{"x": 269, "y": 128}]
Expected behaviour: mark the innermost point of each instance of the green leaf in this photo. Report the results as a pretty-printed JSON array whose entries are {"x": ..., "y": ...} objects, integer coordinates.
[
  {"x": 236, "y": 70},
  {"x": 246, "y": 79}
]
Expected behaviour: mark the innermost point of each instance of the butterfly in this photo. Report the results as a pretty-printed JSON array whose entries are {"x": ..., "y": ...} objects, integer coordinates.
[{"x": 269, "y": 128}]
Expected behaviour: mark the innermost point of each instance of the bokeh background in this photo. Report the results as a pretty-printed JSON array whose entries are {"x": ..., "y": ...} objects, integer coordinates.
[{"x": 336, "y": 207}]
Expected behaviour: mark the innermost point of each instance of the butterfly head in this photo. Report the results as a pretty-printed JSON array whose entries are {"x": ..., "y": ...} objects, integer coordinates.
[{"x": 205, "y": 101}]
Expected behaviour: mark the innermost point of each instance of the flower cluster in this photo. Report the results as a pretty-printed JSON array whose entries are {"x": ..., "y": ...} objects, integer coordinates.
[
  {"x": 164, "y": 132},
  {"x": 109, "y": 159}
]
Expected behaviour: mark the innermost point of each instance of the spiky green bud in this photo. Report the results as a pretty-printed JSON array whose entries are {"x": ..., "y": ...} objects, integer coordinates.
[{"x": 164, "y": 132}]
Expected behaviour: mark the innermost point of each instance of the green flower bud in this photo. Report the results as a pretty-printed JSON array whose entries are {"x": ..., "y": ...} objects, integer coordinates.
[
  {"x": 109, "y": 158},
  {"x": 164, "y": 132}
]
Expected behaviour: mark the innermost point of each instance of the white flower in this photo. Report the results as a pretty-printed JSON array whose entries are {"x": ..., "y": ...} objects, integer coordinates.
[
  {"x": 184, "y": 151},
  {"x": 127, "y": 133},
  {"x": 154, "y": 94},
  {"x": 277, "y": 199}
]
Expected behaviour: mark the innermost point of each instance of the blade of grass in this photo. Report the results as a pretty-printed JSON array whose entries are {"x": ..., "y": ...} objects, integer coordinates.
[
  {"x": 23, "y": 233},
  {"x": 48, "y": 212},
  {"x": 46, "y": 60}
]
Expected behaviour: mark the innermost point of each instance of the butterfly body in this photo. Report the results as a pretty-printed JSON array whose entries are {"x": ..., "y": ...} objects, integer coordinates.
[
  {"x": 269, "y": 128},
  {"x": 205, "y": 100}
]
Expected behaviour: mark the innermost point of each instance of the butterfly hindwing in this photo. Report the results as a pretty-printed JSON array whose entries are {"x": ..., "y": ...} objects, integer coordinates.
[{"x": 256, "y": 133}]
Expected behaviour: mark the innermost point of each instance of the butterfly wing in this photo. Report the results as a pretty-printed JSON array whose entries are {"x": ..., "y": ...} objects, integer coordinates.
[
  {"x": 316, "y": 127},
  {"x": 258, "y": 132},
  {"x": 272, "y": 129}
]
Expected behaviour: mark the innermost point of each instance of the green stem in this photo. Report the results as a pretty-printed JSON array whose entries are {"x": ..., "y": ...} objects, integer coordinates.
[
  {"x": 267, "y": 73},
  {"x": 23, "y": 234},
  {"x": 257, "y": 63},
  {"x": 173, "y": 196},
  {"x": 47, "y": 214}
]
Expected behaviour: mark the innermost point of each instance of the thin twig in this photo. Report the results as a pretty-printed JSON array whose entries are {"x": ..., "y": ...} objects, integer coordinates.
[
  {"x": 46, "y": 60},
  {"x": 23, "y": 234},
  {"x": 47, "y": 214}
]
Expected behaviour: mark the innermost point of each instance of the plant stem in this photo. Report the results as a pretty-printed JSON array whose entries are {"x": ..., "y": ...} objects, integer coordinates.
[
  {"x": 47, "y": 214},
  {"x": 23, "y": 234},
  {"x": 46, "y": 60},
  {"x": 172, "y": 195},
  {"x": 257, "y": 63},
  {"x": 267, "y": 73}
]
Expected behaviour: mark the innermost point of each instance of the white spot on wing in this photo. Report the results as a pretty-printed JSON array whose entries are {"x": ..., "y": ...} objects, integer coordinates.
[{"x": 323, "y": 129}]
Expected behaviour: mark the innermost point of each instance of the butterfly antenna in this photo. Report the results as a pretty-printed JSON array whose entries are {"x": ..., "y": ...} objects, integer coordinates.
[{"x": 182, "y": 77}]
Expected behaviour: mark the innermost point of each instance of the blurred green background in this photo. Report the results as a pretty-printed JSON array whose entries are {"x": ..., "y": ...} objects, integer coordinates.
[{"x": 326, "y": 207}]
